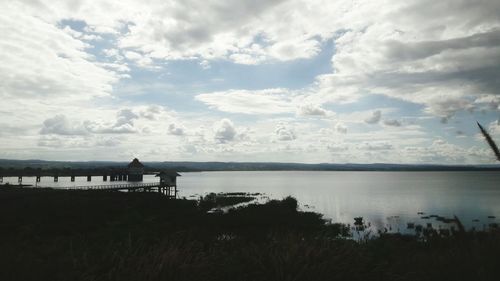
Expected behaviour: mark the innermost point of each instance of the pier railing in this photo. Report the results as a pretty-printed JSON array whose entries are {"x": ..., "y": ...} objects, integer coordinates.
[{"x": 114, "y": 186}]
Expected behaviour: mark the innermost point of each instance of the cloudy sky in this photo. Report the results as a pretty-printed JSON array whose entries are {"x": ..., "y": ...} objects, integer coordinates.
[{"x": 249, "y": 80}]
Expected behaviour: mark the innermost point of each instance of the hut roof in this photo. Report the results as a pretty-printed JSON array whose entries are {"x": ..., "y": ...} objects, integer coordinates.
[
  {"x": 135, "y": 164},
  {"x": 168, "y": 173}
]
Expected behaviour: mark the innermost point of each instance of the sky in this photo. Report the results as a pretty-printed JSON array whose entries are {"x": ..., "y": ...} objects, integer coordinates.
[{"x": 311, "y": 81}]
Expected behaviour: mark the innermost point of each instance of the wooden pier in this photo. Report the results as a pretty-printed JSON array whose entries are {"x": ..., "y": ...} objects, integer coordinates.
[
  {"x": 134, "y": 172},
  {"x": 105, "y": 174}
]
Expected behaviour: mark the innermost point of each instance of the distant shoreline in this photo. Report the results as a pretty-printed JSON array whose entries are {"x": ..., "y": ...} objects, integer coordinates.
[{"x": 187, "y": 166}]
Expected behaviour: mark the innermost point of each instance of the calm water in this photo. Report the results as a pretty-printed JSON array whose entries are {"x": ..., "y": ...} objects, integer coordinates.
[{"x": 385, "y": 199}]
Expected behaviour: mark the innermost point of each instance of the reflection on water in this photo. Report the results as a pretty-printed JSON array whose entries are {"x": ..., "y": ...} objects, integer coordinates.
[{"x": 387, "y": 200}]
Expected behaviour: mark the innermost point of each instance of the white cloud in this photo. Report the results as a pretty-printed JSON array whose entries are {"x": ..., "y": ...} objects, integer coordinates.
[
  {"x": 442, "y": 55},
  {"x": 375, "y": 118},
  {"x": 73, "y": 142},
  {"x": 60, "y": 125},
  {"x": 284, "y": 132},
  {"x": 493, "y": 129},
  {"x": 247, "y": 59},
  {"x": 124, "y": 124},
  {"x": 246, "y": 32},
  {"x": 398, "y": 51},
  {"x": 376, "y": 146},
  {"x": 108, "y": 142},
  {"x": 152, "y": 112},
  {"x": 125, "y": 116},
  {"x": 392, "y": 123},
  {"x": 205, "y": 64},
  {"x": 133, "y": 55},
  {"x": 312, "y": 110},
  {"x": 268, "y": 101},
  {"x": 442, "y": 151},
  {"x": 337, "y": 147},
  {"x": 176, "y": 30},
  {"x": 176, "y": 130},
  {"x": 341, "y": 128},
  {"x": 442, "y": 61},
  {"x": 40, "y": 60},
  {"x": 224, "y": 131},
  {"x": 301, "y": 48},
  {"x": 139, "y": 59}
]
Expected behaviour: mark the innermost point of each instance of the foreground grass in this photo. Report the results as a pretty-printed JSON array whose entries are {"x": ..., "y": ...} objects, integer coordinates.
[{"x": 73, "y": 235}]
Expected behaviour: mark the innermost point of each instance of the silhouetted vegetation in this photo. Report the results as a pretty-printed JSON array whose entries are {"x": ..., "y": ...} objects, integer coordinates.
[
  {"x": 90, "y": 235},
  {"x": 219, "y": 200},
  {"x": 490, "y": 141}
]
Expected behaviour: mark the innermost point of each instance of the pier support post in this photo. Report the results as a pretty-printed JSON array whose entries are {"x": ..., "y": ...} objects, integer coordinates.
[
  {"x": 56, "y": 178},
  {"x": 112, "y": 178},
  {"x": 72, "y": 178},
  {"x": 89, "y": 178},
  {"x": 105, "y": 178},
  {"x": 1, "y": 179},
  {"x": 19, "y": 179},
  {"x": 38, "y": 178}
]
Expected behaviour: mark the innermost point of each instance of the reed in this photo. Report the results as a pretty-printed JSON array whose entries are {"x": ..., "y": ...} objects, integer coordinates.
[{"x": 490, "y": 141}]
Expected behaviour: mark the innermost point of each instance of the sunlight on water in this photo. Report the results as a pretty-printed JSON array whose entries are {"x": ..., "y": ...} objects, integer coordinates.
[{"x": 385, "y": 199}]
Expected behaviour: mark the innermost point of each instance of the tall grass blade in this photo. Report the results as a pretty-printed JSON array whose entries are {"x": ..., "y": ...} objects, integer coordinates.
[{"x": 490, "y": 141}]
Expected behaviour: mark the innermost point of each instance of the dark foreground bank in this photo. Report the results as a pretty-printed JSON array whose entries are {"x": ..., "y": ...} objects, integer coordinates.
[{"x": 81, "y": 235}]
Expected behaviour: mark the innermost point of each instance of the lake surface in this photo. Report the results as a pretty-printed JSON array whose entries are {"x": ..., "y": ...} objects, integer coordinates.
[{"x": 385, "y": 199}]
